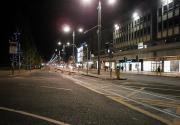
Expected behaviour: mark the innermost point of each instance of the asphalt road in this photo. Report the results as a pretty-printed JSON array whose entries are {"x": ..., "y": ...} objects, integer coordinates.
[{"x": 47, "y": 98}]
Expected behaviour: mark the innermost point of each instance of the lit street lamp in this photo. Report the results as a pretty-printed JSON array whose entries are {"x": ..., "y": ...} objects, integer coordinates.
[
  {"x": 110, "y": 2},
  {"x": 67, "y": 29}
]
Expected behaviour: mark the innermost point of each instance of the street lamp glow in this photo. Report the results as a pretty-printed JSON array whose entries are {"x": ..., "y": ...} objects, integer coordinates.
[
  {"x": 80, "y": 30},
  {"x": 111, "y": 2},
  {"x": 86, "y": 1},
  {"x": 135, "y": 16},
  {"x": 116, "y": 27},
  {"x": 59, "y": 43},
  {"x": 66, "y": 28},
  {"x": 68, "y": 43}
]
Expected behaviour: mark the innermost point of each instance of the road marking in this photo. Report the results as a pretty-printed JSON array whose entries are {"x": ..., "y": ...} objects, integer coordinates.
[
  {"x": 155, "y": 95},
  {"x": 135, "y": 92},
  {"x": 34, "y": 115},
  {"x": 55, "y": 88},
  {"x": 164, "y": 89},
  {"x": 121, "y": 100},
  {"x": 114, "y": 96},
  {"x": 162, "y": 103}
]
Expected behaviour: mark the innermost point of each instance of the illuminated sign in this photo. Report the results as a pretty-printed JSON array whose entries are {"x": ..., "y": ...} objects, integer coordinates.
[{"x": 80, "y": 54}]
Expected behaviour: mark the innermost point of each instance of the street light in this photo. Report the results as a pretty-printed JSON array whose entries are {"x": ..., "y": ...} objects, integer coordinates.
[
  {"x": 110, "y": 2},
  {"x": 68, "y": 43},
  {"x": 116, "y": 27},
  {"x": 59, "y": 43},
  {"x": 135, "y": 16},
  {"x": 67, "y": 29}
]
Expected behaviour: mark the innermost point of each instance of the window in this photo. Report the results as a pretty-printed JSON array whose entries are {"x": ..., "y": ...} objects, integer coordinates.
[
  {"x": 160, "y": 12},
  {"x": 149, "y": 30},
  {"x": 149, "y": 17},
  {"x": 171, "y": 6},
  {"x": 165, "y": 9},
  {"x": 176, "y": 21},
  {"x": 170, "y": 23},
  {"x": 165, "y": 25},
  {"x": 159, "y": 27}
]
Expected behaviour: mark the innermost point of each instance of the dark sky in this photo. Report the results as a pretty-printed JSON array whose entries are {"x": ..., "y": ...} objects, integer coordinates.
[{"x": 44, "y": 19}]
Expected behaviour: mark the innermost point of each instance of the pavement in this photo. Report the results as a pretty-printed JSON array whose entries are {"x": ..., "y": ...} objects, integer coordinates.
[{"x": 8, "y": 73}]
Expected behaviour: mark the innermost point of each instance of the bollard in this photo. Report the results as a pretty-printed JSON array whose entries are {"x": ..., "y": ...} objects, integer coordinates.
[{"x": 118, "y": 73}]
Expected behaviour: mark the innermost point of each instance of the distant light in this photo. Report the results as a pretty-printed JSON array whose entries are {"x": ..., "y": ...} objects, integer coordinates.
[
  {"x": 66, "y": 29},
  {"x": 55, "y": 50},
  {"x": 111, "y": 2},
  {"x": 68, "y": 43},
  {"x": 136, "y": 16},
  {"x": 80, "y": 30},
  {"x": 87, "y": 1},
  {"x": 108, "y": 50},
  {"x": 116, "y": 27},
  {"x": 59, "y": 43}
]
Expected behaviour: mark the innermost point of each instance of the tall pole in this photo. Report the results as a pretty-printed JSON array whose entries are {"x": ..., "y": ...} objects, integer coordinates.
[
  {"x": 99, "y": 36},
  {"x": 87, "y": 60},
  {"x": 73, "y": 48},
  {"x": 19, "y": 52}
]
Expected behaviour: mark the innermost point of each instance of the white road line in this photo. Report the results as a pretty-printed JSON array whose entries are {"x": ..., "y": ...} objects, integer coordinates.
[
  {"x": 155, "y": 95},
  {"x": 164, "y": 89},
  {"x": 55, "y": 88},
  {"x": 34, "y": 115}
]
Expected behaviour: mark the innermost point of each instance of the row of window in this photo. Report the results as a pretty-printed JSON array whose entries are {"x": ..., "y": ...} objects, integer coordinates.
[
  {"x": 165, "y": 9},
  {"x": 134, "y": 24},
  {"x": 133, "y": 35},
  {"x": 173, "y": 22}
]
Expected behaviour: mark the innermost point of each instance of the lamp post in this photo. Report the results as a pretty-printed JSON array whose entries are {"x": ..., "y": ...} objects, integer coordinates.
[
  {"x": 99, "y": 35},
  {"x": 110, "y": 2},
  {"x": 67, "y": 29},
  {"x": 87, "y": 54}
]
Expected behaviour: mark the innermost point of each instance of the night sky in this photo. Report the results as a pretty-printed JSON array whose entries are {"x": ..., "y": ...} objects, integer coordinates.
[{"x": 44, "y": 19}]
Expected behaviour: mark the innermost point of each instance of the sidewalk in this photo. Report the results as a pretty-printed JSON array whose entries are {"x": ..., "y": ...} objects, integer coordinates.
[
  {"x": 123, "y": 75},
  {"x": 8, "y": 73}
]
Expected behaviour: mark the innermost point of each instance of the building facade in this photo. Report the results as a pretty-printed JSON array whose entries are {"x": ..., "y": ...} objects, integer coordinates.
[{"x": 150, "y": 40}]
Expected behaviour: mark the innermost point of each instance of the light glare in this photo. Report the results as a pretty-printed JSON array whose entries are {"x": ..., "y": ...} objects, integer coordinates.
[
  {"x": 86, "y": 1},
  {"x": 80, "y": 30},
  {"x": 116, "y": 26},
  {"x": 111, "y": 2},
  {"x": 66, "y": 29},
  {"x": 59, "y": 43},
  {"x": 68, "y": 43},
  {"x": 136, "y": 16}
]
